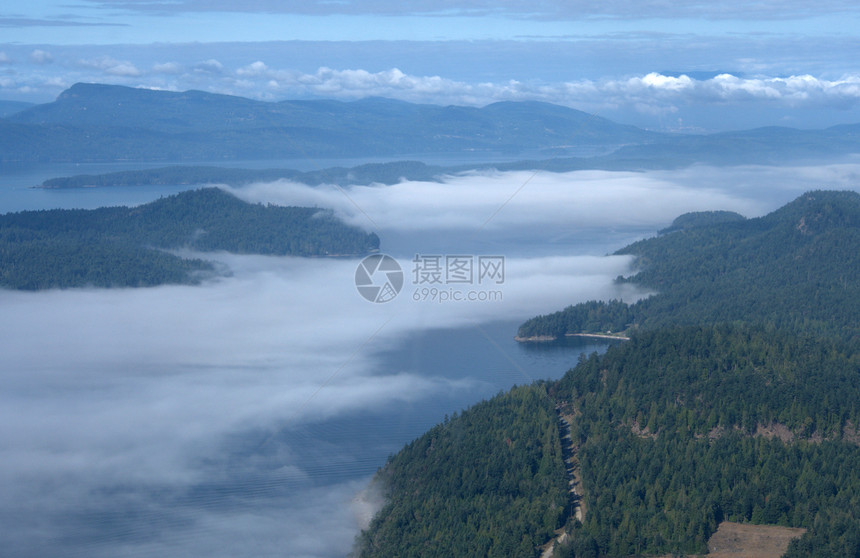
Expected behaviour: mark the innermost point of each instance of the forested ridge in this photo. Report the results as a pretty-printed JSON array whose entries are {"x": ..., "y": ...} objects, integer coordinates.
[
  {"x": 126, "y": 247},
  {"x": 796, "y": 268},
  {"x": 737, "y": 398}
]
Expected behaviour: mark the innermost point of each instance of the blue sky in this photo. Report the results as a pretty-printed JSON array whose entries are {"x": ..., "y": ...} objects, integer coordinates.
[{"x": 684, "y": 65}]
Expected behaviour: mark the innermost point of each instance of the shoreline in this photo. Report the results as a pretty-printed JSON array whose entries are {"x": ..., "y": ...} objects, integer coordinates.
[
  {"x": 549, "y": 338},
  {"x": 598, "y": 336},
  {"x": 535, "y": 339}
]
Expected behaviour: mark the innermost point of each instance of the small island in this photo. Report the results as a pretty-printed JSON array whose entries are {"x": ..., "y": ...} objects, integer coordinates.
[
  {"x": 371, "y": 173},
  {"x": 135, "y": 246}
]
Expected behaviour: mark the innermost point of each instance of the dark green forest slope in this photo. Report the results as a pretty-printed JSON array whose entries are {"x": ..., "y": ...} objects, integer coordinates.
[
  {"x": 489, "y": 482},
  {"x": 796, "y": 268},
  {"x": 125, "y": 247},
  {"x": 675, "y": 431},
  {"x": 682, "y": 428},
  {"x": 736, "y": 399}
]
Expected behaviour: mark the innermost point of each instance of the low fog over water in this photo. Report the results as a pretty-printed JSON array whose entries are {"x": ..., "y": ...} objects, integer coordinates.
[{"x": 243, "y": 417}]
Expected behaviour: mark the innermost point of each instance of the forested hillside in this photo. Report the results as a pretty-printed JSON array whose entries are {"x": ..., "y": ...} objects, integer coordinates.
[
  {"x": 737, "y": 398},
  {"x": 121, "y": 246},
  {"x": 488, "y": 482},
  {"x": 682, "y": 428},
  {"x": 796, "y": 268},
  {"x": 675, "y": 431}
]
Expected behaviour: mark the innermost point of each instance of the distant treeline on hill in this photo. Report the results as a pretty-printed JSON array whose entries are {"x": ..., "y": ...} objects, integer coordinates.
[
  {"x": 125, "y": 247},
  {"x": 382, "y": 173}
]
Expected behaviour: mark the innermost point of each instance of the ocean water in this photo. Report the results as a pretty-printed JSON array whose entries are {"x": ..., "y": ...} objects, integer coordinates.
[{"x": 18, "y": 183}]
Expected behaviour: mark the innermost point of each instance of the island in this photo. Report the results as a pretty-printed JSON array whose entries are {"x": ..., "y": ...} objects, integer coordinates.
[{"x": 137, "y": 246}]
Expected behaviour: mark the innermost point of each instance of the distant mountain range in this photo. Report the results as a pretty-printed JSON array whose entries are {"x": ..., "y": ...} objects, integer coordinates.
[
  {"x": 91, "y": 122},
  {"x": 107, "y": 123}
]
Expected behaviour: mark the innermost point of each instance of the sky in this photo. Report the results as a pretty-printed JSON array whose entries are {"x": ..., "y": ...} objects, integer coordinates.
[{"x": 689, "y": 66}]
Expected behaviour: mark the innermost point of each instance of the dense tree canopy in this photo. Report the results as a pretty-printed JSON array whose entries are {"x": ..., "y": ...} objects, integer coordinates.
[
  {"x": 682, "y": 428},
  {"x": 489, "y": 482},
  {"x": 121, "y": 246}
]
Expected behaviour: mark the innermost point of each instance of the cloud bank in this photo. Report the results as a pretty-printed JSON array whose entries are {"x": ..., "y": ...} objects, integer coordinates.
[
  {"x": 182, "y": 421},
  {"x": 654, "y": 90},
  {"x": 495, "y": 202}
]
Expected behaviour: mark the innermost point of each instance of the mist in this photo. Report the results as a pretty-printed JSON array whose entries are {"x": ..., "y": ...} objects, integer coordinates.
[
  {"x": 539, "y": 213},
  {"x": 211, "y": 420}
]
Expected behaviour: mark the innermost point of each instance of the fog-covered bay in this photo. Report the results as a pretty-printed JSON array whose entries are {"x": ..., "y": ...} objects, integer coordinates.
[{"x": 245, "y": 416}]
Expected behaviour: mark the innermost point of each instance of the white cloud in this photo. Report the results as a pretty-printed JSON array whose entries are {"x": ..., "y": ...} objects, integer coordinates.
[
  {"x": 111, "y": 66},
  {"x": 119, "y": 401},
  {"x": 170, "y": 68},
  {"x": 210, "y": 66},
  {"x": 771, "y": 84},
  {"x": 659, "y": 81},
  {"x": 651, "y": 93},
  {"x": 39, "y": 56},
  {"x": 255, "y": 69}
]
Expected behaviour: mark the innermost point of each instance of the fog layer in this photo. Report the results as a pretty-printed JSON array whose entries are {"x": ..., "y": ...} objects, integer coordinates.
[{"x": 191, "y": 421}]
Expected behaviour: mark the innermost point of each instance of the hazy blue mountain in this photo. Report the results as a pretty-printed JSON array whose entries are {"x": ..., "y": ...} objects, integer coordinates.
[
  {"x": 122, "y": 123},
  {"x": 94, "y": 122},
  {"x": 99, "y": 105},
  {"x": 8, "y": 108},
  {"x": 771, "y": 144}
]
